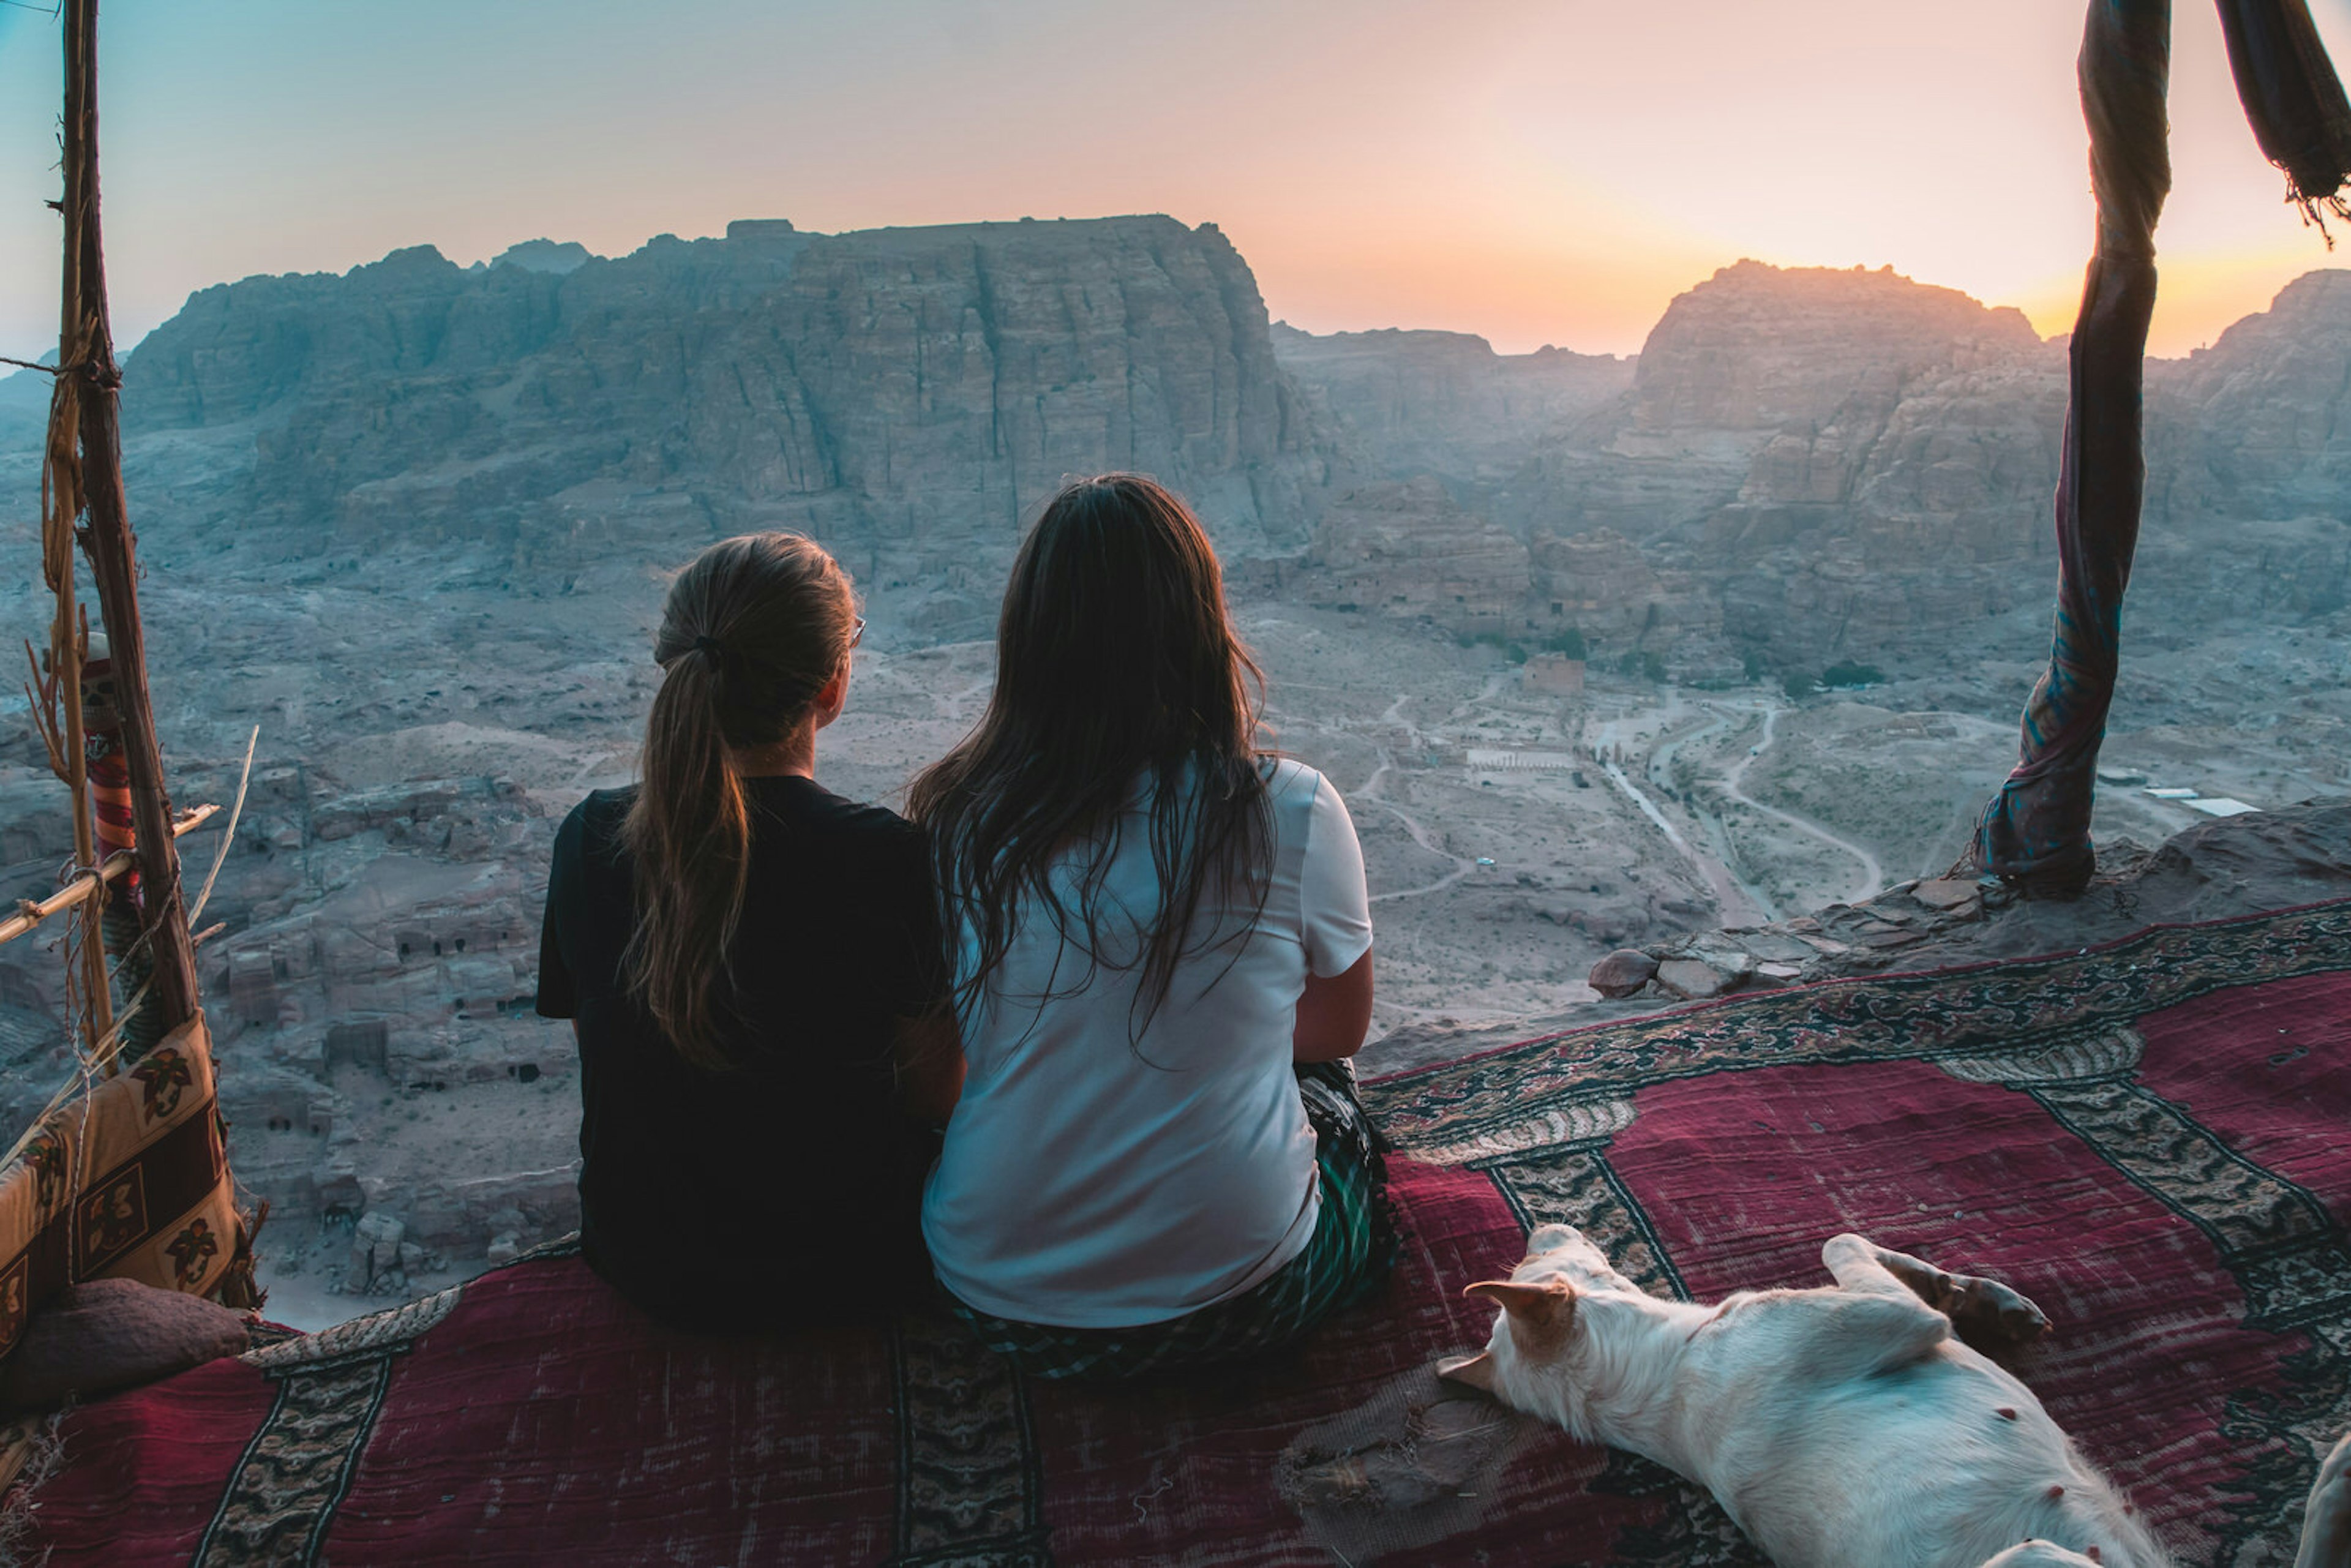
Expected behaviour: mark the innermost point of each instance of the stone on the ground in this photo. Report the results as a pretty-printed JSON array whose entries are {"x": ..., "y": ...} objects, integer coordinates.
[
  {"x": 375, "y": 1247},
  {"x": 503, "y": 1250},
  {"x": 1621, "y": 973},
  {"x": 1773, "y": 947},
  {"x": 1734, "y": 964},
  {"x": 1946, "y": 892},
  {"x": 1692, "y": 978}
]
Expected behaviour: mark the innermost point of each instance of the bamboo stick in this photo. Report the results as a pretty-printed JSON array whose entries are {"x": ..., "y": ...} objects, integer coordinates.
[
  {"x": 85, "y": 884},
  {"x": 68, "y": 644},
  {"x": 112, "y": 553},
  {"x": 69, "y": 638}
]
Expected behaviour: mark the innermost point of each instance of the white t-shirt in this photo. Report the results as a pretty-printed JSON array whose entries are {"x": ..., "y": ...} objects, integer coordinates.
[{"x": 1096, "y": 1178}]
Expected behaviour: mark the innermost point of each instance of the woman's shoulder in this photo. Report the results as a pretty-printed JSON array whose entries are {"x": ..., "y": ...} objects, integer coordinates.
[
  {"x": 1294, "y": 785},
  {"x": 802, "y": 802},
  {"x": 593, "y": 828}
]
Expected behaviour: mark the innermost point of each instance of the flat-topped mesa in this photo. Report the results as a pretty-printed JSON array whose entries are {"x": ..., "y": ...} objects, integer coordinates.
[{"x": 912, "y": 390}]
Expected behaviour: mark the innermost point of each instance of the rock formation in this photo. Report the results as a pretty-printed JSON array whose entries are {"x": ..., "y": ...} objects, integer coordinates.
[
  {"x": 908, "y": 395},
  {"x": 1407, "y": 549},
  {"x": 1602, "y": 585},
  {"x": 1856, "y": 465},
  {"x": 1445, "y": 402}
]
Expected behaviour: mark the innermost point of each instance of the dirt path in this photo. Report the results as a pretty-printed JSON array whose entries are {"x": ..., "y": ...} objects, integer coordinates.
[
  {"x": 1873, "y": 874},
  {"x": 1462, "y": 866},
  {"x": 1735, "y": 903}
]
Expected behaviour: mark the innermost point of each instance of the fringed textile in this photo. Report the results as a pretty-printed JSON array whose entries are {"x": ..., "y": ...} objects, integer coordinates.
[
  {"x": 2293, "y": 98},
  {"x": 2146, "y": 1138},
  {"x": 2036, "y": 831}
]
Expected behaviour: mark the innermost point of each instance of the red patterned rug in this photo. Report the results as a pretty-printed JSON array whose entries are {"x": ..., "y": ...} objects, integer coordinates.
[{"x": 2148, "y": 1139}]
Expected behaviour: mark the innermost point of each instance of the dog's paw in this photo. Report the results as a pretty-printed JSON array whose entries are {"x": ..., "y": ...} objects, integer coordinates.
[{"x": 1986, "y": 1312}]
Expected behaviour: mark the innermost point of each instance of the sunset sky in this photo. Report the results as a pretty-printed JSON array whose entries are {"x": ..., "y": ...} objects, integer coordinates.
[{"x": 1537, "y": 170}]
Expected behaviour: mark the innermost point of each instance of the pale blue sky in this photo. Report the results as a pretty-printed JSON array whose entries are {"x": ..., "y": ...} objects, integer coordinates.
[{"x": 1534, "y": 170}]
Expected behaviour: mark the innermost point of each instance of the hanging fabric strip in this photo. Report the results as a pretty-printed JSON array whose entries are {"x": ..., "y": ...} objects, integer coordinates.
[
  {"x": 2293, "y": 98},
  {"x": 2037, "y": 829}
]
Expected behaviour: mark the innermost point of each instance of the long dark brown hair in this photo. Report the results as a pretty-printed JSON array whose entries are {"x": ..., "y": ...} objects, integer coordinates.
[
  {"x": 750, "y": 633},
  {"x": 1115, "y": 663}
]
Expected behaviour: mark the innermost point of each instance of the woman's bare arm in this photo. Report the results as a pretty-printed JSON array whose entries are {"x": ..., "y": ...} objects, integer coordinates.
[
  {"x": 1333, "y": 1015},
  {"x": 927, "y": 1058}
]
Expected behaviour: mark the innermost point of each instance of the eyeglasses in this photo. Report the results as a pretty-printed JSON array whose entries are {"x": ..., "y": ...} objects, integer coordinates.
[{"x": 857, "y": 635}]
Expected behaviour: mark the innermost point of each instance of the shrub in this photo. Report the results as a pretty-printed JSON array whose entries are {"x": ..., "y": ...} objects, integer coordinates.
[{"x": 1849, "y": 674}]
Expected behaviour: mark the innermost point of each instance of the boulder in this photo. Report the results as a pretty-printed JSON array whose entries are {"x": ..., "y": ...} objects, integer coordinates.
[
  {"x": 1692, "y": 978},
  {"x": 375, "y": 1248},
  {"x": 1621, "y": 973},
  {"x": 1947, "y": 894}
]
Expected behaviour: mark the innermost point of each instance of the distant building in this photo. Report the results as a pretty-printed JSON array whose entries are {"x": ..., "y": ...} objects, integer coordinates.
[{"x": 1554, "y": 673}]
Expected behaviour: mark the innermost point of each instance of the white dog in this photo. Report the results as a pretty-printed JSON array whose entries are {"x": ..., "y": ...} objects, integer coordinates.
[{"x": 1840, "y": 1427}]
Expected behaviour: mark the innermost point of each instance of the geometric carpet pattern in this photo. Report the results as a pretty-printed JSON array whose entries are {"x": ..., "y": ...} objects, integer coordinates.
[{"x": 2147, "y": 1138}]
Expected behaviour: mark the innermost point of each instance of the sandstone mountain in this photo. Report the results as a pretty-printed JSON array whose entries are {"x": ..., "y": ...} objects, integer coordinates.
[
  {"x": 908, "y": 395},
  {"x": 1406, "y": 548},
  {"x": 1804, "y": 465},
  {"x": 1445, "y": 402}
]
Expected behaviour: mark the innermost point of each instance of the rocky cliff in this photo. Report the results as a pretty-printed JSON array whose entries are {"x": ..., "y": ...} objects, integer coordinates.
[
  {"x": 1405, "y": 547},
  {"x": 1856, "y": 465},
  {"x": 905, "y": 395},
  {"x": 2259, "y": 424},
  {"x": 1445, "y": 403},
  {"x": 1807, "y": 465}
]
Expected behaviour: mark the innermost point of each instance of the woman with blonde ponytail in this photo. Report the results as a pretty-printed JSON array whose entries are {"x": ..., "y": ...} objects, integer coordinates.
[{"x": 753, "y": 969}]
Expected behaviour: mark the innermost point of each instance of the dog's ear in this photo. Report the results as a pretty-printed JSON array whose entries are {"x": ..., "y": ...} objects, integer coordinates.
[
  {"x": 1469, "y": 1371},
  {"x": 1547, "y": 1308}
]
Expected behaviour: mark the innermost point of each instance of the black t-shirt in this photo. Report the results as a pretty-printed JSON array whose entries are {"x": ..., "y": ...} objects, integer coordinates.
[{"x": 787, "y": 1189}]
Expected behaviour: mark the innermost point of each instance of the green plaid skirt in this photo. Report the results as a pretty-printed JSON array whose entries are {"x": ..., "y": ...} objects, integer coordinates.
[{"x": 1351, "y": 1251}]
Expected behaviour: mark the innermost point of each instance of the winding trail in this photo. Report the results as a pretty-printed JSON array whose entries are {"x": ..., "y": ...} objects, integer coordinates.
[
  {"x": 1873, "y": 874},
  {"x": 1731, "y": 897},
  {"x": 1462, "y": 866}
]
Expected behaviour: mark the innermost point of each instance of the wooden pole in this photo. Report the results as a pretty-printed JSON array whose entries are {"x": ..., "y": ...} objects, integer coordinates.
[
  {"x": 84, "y": 887},
  {"x": 108, "y": 542}
]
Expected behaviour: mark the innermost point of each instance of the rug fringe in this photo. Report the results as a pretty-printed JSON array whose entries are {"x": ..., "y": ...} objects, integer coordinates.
[{"x": 31, "y": 1451}]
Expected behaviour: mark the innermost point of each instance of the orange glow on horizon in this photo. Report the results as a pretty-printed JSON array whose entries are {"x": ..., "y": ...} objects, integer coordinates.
[{"x": 1533, "y": 171}]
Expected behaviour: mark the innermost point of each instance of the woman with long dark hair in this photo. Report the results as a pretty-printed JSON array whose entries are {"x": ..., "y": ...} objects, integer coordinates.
[
  {"x": 753, "y": 967},
  {"x": 1163, "y": 959}
]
